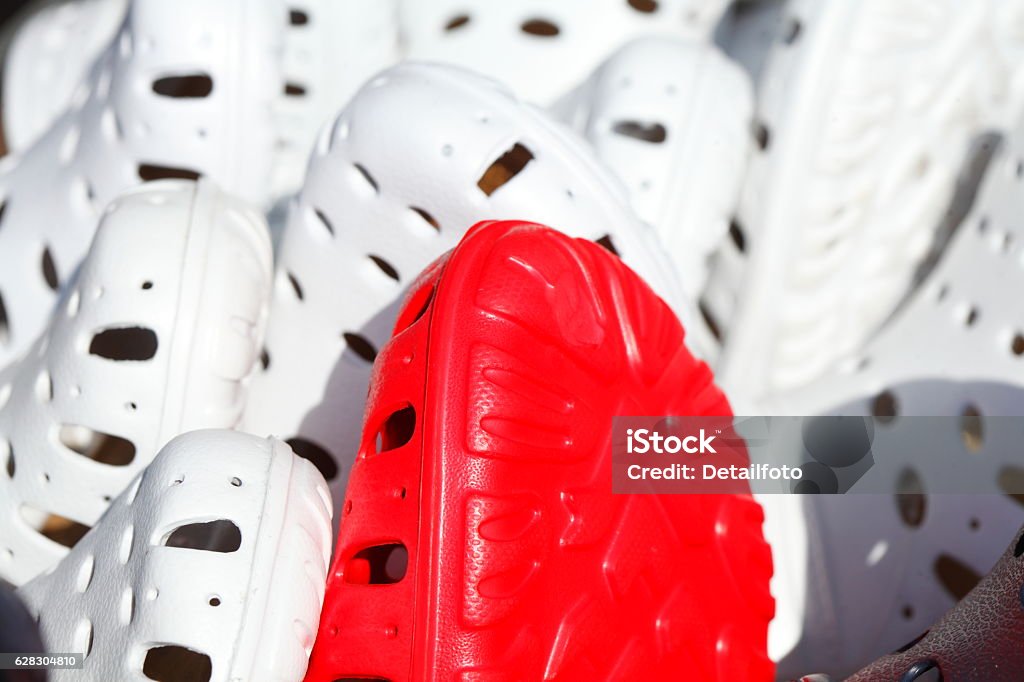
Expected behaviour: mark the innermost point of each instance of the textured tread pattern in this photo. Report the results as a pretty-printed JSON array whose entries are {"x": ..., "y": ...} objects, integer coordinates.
[{"x": 521, "y": 563}]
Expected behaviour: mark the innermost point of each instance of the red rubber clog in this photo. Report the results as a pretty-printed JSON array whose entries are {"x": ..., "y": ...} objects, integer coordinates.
[{"x": 480, "y": 537}]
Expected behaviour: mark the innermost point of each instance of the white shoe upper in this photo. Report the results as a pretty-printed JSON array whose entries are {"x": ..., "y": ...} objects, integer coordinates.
[
  {"x": 156, "y": 335},
  {"x": 671, "y": 118},
  {"x": 119, "y": 131},
  {"x": 865, "y": 113},
  {"x": 215, "y": 558},
  {"x": 543, "y": 49},
  {"x": 384, "y": 198},
  {"x": 956, "y": 348}
]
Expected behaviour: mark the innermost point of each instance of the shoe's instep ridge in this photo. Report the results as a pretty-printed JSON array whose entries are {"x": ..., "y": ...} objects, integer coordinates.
[
  {"x": 210, "y": 567},
  {"x": 480, "y": 537},
  {"x": 157, "y": 334},
  {"x": 176, "y": 95},
  {"x": 382, "y": 199}
]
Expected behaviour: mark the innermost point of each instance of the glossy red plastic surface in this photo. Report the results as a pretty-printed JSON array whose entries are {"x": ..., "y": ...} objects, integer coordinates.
[{"x": 486, "y": 454}]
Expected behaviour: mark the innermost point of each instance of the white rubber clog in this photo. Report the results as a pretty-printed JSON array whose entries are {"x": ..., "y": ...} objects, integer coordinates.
[
  {"x": 210, "y": 566},
  {"x": 156, "y": 335},
  {"x": 382, "y": 200},
  {"x": 670, "y": 117},
  {"x": 865, "y": 114},
  {"x": 955, "y": 349},
  {"x": 539, "y": 49},
  {"x": 49, "y": 56},
  {"x": 142, "y": 115}
]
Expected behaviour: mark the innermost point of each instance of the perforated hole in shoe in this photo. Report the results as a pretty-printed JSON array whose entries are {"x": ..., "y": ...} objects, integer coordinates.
[
  {"x": 885, "y": 407},
  {"x": 170, "y": 663},
  {"x": 149, "y": 172},
  {"x": 361, "y": 346},
  {"x": 220, "y": 536},
  {"x": 5, "y": 325},
  {"x": 297, "y": 17},
  {"x": 972, "y": 429},
  {"x": 49, "y": 269},
  {"x": 96, "y": 445},
  {"x": 540, "y": 27},
  {"x": 61, "y": 530},
  {"x": 504, "y": 168},
  {"x": 607, "y": 243},
  {"x": 638, "y": 130},
  {"x": 384, "y": 564},
  {"x": 387, "y": 268},
  {"x": 396, "y": 430},
  {"x": 429, "y": 219},
  {"x": 456, "y": 22},
  {"x": 911, "y": 499},
  {"x": 644, "y": 6},
  {"x": 956, "y": 577},
  {"x": 125, "y": 344},
  {"x": 184, "y": 86}
]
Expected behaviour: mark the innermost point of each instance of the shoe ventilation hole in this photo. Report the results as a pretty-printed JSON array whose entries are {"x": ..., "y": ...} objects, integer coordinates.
[
  {"x": 296, "y": 287},
  {"x": 646, "y": 132},
  {"x": 170, "y": 663},
  {"x": 415, "y": 308},
  {"x": 324, "y": 221},
  {"x": 430, "y": 220},
  {"x": 923, "y": 671},
  {"x": 83, "y": 638},
  {"x": 737, "y": 235},
  {"x": 84, "y": 576},
  {"x": 539, "y": 27},
  {"x": 956, "y": 577},
  {"x": 316, "y": 454},
  {"x": 1019, "y": 548},
  {"x": 44, "y": 387},
  {"x": 49, "y": 269},
  {"x": 972, "y": 317},
  {"x": 456, "y": 22},
  {"x": 709, "y": 319},
  {"x": 10, "y": 466},
  {"x": 214, "y": 601},
  {"x": 885, "y": 407},
  {"x": 297, "y": 17},
  {"x": 607, "y": 243},
  {"x": 761, "y": 135},
  {"x": 5, "y": 325},
  {"x": 907, "y": 612},
  {"x": 378, "y": 565},
  {"x": 361, "y": 346},
  {"x": 185, "y": 86},
  {"x": 385, "y": 267},
  {"x": 147, "y": 285},
  {"x": 792, "y": 31},
  {"x": 1011, "y": 482},
  {"x": 1017, "y": 344},
  {"x": 396, "y": 430},
  {"x": 912, "y": 643},
  {"x": 61, "y": 530},
  {"x": 221, "y": 536},
  {"x": 294, "y": 90},
  {"x": 265, "y": 359},
  {"x": 149, "y": 172},
  {"x": 971, "y": 429},
  {"x": 96, "y": 445},
  {"x": 911, "y": 500},
  {"x": 506, "y": 167},
  {"x": 645, "y": 6},
  {"x": 366, "y": 176},
  {"x": 134, "y": 344}
]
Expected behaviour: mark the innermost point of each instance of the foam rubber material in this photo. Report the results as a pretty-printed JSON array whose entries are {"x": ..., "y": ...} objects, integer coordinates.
[
  {"x": 486, "y": 457},
  {"x": 48, "y": 57},
  {"x": 381, "y": 200},
  {"x": 670, "y": 117},
  {"x": 157, "y": 334},
  {"x": 119, "y": 131},
  {"x": 981, "y": 639},
  {"x": 864, "y": 117},
  {"x": 518, "y": 41},
  {"x": 857, "y": 611},
  {"x": 213, "y": 560}
]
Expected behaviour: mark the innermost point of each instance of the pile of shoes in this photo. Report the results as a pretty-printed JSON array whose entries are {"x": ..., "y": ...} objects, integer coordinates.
[{"x": 315, "y": 314}]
